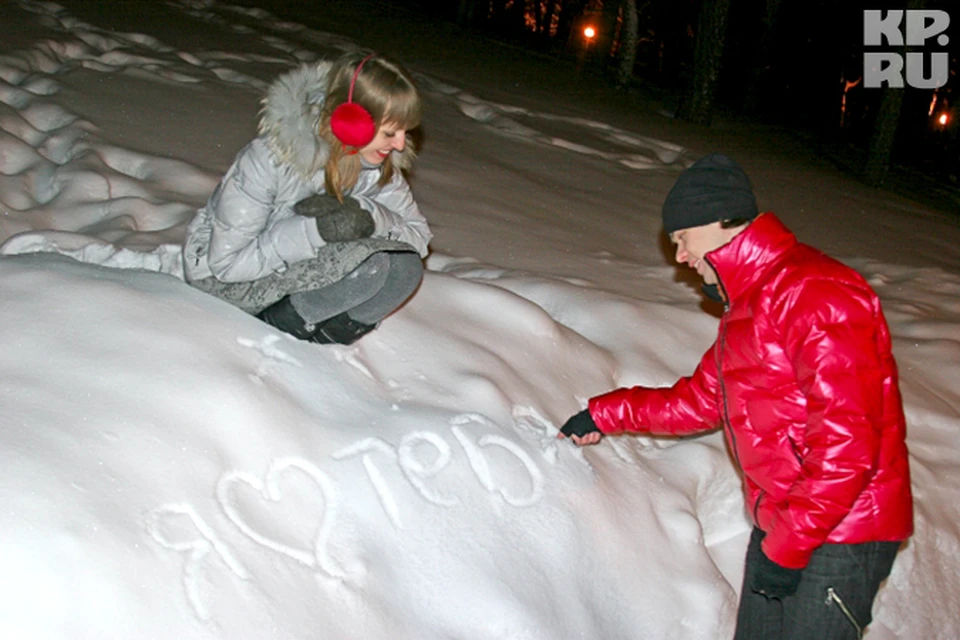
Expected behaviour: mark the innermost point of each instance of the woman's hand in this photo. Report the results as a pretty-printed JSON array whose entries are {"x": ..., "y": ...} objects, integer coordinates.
[
  {"x": 337, "y": 221},
  {"x": 317, "y": 205}
]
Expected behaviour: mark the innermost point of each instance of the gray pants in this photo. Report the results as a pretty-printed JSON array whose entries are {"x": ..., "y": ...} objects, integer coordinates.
[
  {"x": 369, "y": 293},
  {"x": 369, "y": 278}
]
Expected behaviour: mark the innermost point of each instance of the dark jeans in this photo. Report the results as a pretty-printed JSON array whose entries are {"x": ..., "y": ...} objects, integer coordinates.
[{"x": 833, "y": 601}]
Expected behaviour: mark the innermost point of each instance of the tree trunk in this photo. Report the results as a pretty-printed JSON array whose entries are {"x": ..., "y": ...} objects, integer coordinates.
[
  {"x": 607, "y": 29},
  {"x": 753, "y": 102},
  {"x": 885, "y": 126},
  {"x": 697, "y": 104},
  {"x": 465, "y": 12},
  {"x": 570, "y": 13},
  {"x": 551, "y": 10},
  {"x": 883, "y": 136},
  {"x": 497, "y": 14},
  {"x": 518, "y": 17},
  {"x": 628, "y": 43}
]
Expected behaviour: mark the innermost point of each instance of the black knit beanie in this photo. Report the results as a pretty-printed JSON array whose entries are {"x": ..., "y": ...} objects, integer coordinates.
[{"x": 714, "y": 188}]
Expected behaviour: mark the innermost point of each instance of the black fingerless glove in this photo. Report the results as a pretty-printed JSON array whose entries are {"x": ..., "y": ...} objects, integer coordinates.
[
  {"x": 337, "y": 221},
  {"x": 773, "y": 580},
  {"x": 580, "y": 425}
]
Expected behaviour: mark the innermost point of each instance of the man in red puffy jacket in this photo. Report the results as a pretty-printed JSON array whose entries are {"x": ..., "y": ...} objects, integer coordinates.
[{"x": 802, "y": 380}]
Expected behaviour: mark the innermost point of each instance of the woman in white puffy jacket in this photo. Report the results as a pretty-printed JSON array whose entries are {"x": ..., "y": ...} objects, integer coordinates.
[{"x": 313, "y": 228}]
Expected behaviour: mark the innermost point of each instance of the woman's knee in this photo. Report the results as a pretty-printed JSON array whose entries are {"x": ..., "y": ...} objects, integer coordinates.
[{"x": 407, "y": 261}]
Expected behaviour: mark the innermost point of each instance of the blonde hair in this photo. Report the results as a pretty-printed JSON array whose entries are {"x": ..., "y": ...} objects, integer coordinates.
[{"x": 386, "y": 90}]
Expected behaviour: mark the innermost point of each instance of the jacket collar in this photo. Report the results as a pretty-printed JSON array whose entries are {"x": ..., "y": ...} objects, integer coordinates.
[{"x": 751, "y": 255}]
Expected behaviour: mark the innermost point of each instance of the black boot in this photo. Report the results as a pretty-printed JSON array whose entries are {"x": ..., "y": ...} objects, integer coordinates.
[
  {"x": 341, "y": 329},
  {"x": 283, "y": 316}
]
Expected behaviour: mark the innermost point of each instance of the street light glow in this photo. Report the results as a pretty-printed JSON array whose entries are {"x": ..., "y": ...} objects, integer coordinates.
[
  {"x": 589, "y": 32},
  {"x": 943, "y": 119}
]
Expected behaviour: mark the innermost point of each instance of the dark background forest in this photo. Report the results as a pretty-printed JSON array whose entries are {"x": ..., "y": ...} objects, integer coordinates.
[{"x": 795, "y": 64}]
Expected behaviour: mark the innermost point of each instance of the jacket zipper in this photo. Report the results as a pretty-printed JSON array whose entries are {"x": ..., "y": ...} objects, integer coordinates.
[
  {"x": 723, "y": 394},
  {"x": 723, "y": 386},
  {"x": 756, "y": 506},
  {"x": 796, "y": 454}
]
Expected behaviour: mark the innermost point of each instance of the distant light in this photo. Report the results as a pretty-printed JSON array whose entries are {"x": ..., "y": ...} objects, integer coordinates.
[
  {"x": 943, "y": 119},
  {"x": 589, "y": 33}
]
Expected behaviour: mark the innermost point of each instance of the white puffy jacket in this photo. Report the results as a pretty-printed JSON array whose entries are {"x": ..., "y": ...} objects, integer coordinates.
[{"x": 248, "y": 228}]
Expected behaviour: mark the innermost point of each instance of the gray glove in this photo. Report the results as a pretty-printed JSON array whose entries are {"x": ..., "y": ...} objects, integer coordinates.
[{"x": 337, "y": 221}]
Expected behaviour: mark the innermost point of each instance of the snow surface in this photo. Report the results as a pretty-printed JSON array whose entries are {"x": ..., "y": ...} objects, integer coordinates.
[{"x": 173, "y": 468}]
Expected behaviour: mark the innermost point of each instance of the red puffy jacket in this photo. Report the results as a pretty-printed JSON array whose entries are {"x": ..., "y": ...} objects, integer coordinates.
[{"x": 803, "y": 382}]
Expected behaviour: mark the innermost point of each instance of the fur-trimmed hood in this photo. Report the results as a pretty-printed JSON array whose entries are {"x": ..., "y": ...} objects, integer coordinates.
[{"x": 289, "y": 118}]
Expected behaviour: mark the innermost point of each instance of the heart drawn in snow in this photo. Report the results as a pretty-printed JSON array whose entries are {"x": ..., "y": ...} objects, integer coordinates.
[{"x": 270, "y": 490}]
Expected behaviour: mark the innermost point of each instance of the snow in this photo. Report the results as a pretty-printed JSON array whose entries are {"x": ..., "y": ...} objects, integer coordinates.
[{"x": 174, "y": 468}]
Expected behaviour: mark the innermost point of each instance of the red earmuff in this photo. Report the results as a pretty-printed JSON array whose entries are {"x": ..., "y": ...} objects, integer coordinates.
[{"x": 350, "y": 123}]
